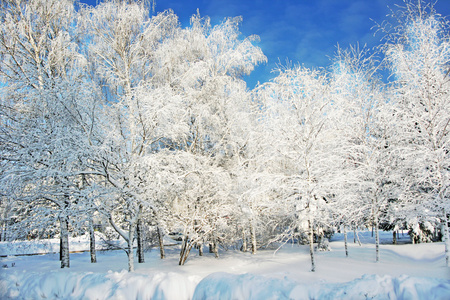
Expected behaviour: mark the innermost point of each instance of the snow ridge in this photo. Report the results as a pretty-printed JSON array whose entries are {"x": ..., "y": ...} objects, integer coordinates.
[{"x": 219, "y": 285}]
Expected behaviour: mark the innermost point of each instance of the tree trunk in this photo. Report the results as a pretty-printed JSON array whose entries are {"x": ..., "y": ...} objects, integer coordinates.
[
  {"x": 60, "y": 245},
  {"x": 64, "y": 246},
  {"x": 182, "y": 251},
  {"x": 253, "y": 237},
  {"x": 140, "y": 242},
  {"x": 345, "y": 242},
  {"x": 244, "y": 241},
  {"x": 161, "y": 242},
  {"x": 311, "y": 246},
  {"x": 200, "y": 249},
  {"x": 185, "y": 249},
  {"x": 213, "y": 246},
  {"x": 92, "y": 241},
  {"x": 357, "y": 238},
  {"x": 216, "y": 249},
  {"x": 446, "y": 239},
  {"x": 128, "y": 237},
  {"x": 354, "y": 235},
  {"x": 4, "y": 230},
  {"x": 130, "y": 253},
  {"x": 130, "y": 256},
  {"x": 394, "y": 237},
  {"x": 130, "y": 240},
  {"x": 377, "y": 240}
]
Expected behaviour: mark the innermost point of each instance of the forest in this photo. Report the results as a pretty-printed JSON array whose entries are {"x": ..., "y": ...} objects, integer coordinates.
[{"x": 117, "y": 119}]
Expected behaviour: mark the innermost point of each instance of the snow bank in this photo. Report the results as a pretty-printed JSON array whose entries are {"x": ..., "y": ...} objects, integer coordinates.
[
  {"x": 246, "y": 286},
  {"x": 124, "y": 285},
  {"x": 249, "y": 286},
  {"x": 112, "y": 285},
  {"x": 379, "y": 287}
]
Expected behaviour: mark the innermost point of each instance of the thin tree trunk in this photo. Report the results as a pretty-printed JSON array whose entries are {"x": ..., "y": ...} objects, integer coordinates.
[
  {"x": 200, "y": 249},
  {"x": 213, "y": 246},
  {"x": 311, "y": 246},
  {"x": 244, "y": 241},
  {"x": 253, "y": 238},
  {"x": 394, "y": 237},
  {"x": 446, "y": 240},
  {"x": 182, "y": 251},
  {"x": 3, "y": 232},
  {"x": 185, "y": 249},
  {"x": 354, "y": 235},
  {"x": 216, "y": 249},
  {"x": 377, "y": 240},
  {"x": 345, "y": 242},
  {"x": 130, "y": 253},
  {"x": 60, "y": 245},
  {"x": 357, "y": 238},
  {"x": 92, "y": 241},
  {"x": 64, "y": 246},
  {"x": 140, "y": 242},
  {"x": 161, "y": 242},
  {"x": 129, "y": 238}
]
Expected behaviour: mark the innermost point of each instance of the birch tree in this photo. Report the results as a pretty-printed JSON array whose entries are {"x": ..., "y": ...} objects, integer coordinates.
[
  {"x": 123, "y": 39},
  {"x": 303, "y": 142},
  {"x": 203, "y": 64},
  {"x": 368, "y": 162},
  {"x": 46, "y": 114},
  {"x": 418, "y": 52}
]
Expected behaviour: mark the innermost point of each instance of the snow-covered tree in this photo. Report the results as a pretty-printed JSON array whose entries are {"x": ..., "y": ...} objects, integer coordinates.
[
  {"x": 363, "y": 118},
  {"x": 47, "y": 113},
  {"x": 122, "y": 41},
  {"x": 303, "y": 143},
  {"x": 418, "y": 54},
  {"x": 204, "y": 64}
]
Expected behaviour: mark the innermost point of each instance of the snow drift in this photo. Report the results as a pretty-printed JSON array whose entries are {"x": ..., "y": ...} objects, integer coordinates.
[
  {"x": 112, "y": 285},
  {"x": 125, "y": 285},
  {"x": 249, "y": 286}
]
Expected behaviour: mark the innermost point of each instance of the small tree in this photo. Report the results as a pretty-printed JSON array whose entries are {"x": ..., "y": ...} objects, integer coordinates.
[
  {"x": 303, "y": 141},
  {"x": 368, "y": 162}
]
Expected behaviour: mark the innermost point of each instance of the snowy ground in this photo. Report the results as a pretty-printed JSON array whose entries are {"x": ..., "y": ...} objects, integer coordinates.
[{"x": 405, "y": 271}]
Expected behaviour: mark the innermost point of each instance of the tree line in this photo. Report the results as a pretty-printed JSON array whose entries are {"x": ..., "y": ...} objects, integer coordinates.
[{"x": 115, "y": 113}]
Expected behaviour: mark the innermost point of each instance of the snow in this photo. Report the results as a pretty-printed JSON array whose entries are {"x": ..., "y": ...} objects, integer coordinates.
[
  {"x": 249, "y": 286},
  {"x": 110, "y": 285},
  {"x": 405, "y": 271},
  {"x": 80, "y": 243}
]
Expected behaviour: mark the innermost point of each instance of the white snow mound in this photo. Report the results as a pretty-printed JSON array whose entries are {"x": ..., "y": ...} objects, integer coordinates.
[
  {"x": 125, "y": 285},
  {"x": 249, "y": 286},
  {"x": 112, "y": 285}
]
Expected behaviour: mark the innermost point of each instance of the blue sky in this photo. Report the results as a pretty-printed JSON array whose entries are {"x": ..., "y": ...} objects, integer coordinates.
[{"x": 301, "y": 31}]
